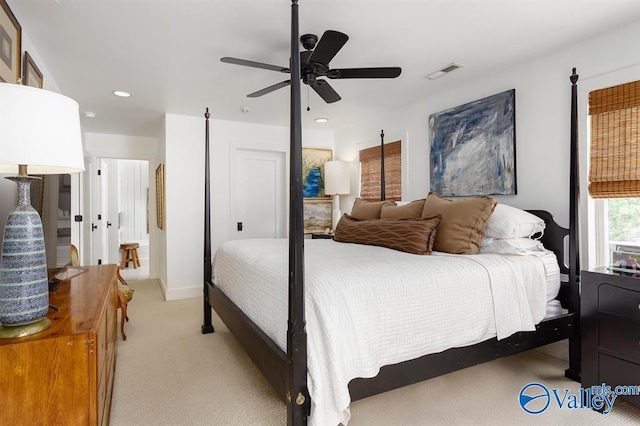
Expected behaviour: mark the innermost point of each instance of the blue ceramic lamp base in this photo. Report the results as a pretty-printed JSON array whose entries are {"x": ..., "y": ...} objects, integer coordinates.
[{"x": 24, "y": 288}]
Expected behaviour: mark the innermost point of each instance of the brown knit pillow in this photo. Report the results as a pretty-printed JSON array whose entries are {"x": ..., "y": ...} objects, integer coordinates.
[
  {"x": 363, "y": 209},
  {"x": 413, "y": 210},
  {"x": 463, "y": 222},
  {"x": 409, "y": 235}
]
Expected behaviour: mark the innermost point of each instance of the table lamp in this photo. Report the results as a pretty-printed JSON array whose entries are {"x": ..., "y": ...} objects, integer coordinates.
[
  {"x": 39, "y": 134},
  {"x": 336, "y": 182}
]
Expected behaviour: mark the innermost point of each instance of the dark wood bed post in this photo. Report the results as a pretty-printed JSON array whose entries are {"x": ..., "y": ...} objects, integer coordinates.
[
  {"x": 573, "y": 372},
  {"x": 383, "y": 195},
  {"x": 298, "y": 401},
  {"x": 207, "y": 326}
]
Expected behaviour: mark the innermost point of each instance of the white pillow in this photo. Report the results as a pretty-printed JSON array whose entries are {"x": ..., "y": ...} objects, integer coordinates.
[
  {"x": 519, "y": 246},
  {"x": 511, "y": 222}
]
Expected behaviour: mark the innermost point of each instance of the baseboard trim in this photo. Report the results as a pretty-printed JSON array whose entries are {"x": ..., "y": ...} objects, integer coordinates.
[{"x": 181, "y": 293}]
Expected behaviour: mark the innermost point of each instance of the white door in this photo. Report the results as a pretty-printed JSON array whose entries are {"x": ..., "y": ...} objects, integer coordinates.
[
  {"x": 99, "y": 251},
  {"x": 86, "y": 195},
  {"x": 257, "y": 188},
  {"x": 110, "y": 218}
]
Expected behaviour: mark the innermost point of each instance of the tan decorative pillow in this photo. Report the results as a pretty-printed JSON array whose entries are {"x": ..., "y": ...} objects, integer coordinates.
[
  {"x": 409, "y": 235},
  {"x": 412, "y": 210},
  {"x": 463, "y": 224},
  {"x": 363, "y": 209}
]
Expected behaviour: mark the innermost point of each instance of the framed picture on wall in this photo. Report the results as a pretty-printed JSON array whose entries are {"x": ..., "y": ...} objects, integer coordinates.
[
  {"x": 31, "y": 75},
  {"x": 313, "y": 160},
  {"x": 10, "y": 45},
  {"x": 160, "y": 196},
  {"x": 473, "y": 147},
  {"x": 317, "y": 215}
]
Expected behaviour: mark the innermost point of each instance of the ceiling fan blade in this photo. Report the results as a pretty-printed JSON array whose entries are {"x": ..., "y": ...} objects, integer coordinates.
[
  {"x": 382, "y": 72},
  {"x": 330, "y": 43},
  {"x": 269, "y": 89},
  {"x": 254, "y": 64},
  {"x": 325, "y": 91}
]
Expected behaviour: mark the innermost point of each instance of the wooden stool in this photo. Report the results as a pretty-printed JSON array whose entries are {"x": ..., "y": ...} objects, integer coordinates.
[{"x": 129, "y": 254}]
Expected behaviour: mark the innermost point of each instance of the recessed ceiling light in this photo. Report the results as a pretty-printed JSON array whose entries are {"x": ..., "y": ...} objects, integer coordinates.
[
  {"x": 121, "y": 93},
  {"x": 90, "y": 114},
  {"x": 245, "y": 109},
  {"x": 321, "y": 120},
  {"x": 451, "y": 67}
]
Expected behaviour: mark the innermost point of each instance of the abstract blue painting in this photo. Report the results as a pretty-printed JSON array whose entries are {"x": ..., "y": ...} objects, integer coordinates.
[
  {"x": 313, "y": 160},
  {"x": 473, "y": 147}
]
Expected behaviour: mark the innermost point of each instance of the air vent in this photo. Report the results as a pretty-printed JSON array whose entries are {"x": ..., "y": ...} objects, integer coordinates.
[{"x": 437, "y": 74}]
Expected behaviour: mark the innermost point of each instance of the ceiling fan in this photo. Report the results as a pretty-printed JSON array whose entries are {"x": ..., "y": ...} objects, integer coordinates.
[{"x": 314, "y": 63}]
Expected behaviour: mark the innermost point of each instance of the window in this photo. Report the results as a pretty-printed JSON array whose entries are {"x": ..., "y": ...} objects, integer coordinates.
[
  {"x": 615, "y": 141},
  {"x": 370, "y": 172},
  {"x": 623, "y": 230},
  {"x": 614, "y": 173}
]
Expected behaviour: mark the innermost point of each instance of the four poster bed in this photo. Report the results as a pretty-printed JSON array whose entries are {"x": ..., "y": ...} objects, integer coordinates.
[{"x": 378, "y": 318}]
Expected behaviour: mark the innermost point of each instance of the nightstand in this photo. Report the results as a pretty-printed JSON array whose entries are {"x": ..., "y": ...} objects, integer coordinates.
[
  {"x": 322, "y": 236},
  {"x": 610, "y": 330}
]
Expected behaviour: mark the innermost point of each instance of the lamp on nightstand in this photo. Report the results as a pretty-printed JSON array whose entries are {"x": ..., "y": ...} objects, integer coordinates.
[
  {"x": 336, "y": 182},
  {"x": 39, "y": 134}
]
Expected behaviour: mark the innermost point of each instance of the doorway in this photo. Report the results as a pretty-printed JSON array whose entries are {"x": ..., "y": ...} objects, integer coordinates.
[
  {"x": 122, "y": 204},
  {"x": 258, "y": 187}
]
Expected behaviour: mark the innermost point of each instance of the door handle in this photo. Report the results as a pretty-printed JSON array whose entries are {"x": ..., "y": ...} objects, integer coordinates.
[
  {"x": 108, "y": 224},
  {"x": 93, "y": 227}
]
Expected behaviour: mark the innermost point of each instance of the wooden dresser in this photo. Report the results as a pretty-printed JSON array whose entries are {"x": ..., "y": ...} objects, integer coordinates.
[
  {"x": 64, "y": 375},
  {"x": 610, "y": 330}
]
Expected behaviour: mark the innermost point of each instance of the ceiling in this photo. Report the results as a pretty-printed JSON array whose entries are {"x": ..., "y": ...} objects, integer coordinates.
[{"x": 166, "y": 53}]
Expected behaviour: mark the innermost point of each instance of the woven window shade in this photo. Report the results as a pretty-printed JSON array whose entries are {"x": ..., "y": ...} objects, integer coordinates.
[
  {"x": 370, "y": 172},
  {"x": 615, "y": 141}
]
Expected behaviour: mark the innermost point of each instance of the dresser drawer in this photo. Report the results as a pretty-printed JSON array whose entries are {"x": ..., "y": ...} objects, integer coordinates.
[
  {"x": 616, "y": 372},
  {"x": 619, "y": 336},
  {"x": 619, "y": 301}
]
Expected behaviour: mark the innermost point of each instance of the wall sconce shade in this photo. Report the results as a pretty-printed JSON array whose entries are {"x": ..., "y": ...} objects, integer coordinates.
[
  {"x": 39, "y": 134},
  {"x": 336, "y": 178}
]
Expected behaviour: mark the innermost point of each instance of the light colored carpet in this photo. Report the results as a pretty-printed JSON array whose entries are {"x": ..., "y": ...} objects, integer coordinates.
[{"x": 168, "y": 373}]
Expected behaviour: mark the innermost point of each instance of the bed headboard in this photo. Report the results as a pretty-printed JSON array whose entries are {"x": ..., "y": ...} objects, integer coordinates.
[{"x": 554, "y": 238}]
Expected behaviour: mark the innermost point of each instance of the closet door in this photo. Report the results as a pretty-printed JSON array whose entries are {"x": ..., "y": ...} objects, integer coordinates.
[{"x": 257, "y": 192}]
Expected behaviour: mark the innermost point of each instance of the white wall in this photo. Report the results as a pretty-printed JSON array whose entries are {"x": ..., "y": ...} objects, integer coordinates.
[
  {"x": 184, "y": 153},
  {"x": 542, "y": 121},
  {"x": 133, "y": 184}
]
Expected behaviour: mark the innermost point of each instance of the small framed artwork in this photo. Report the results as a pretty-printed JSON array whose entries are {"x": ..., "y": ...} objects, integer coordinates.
[
  {"x": 313, "y": 160},
  {"x": 317, "y": 215},
  {"x": 160, "y": 196},
  {"x": 31, "y": 75},
  {"x": 10, "y": 45}
]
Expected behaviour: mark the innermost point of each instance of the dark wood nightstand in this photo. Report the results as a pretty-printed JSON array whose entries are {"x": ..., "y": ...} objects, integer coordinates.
[
  {"x": 610, "y": 330},
  {"x": 321, "y": 236}
]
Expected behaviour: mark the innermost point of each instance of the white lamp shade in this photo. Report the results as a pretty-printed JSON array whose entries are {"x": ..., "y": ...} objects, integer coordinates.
[
  {"x": 40, "y": 129},
  {"x": 336, "y": 177}
]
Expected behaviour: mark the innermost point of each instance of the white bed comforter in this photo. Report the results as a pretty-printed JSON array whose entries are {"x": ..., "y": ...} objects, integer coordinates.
[{"x": 369, "y": 306}]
